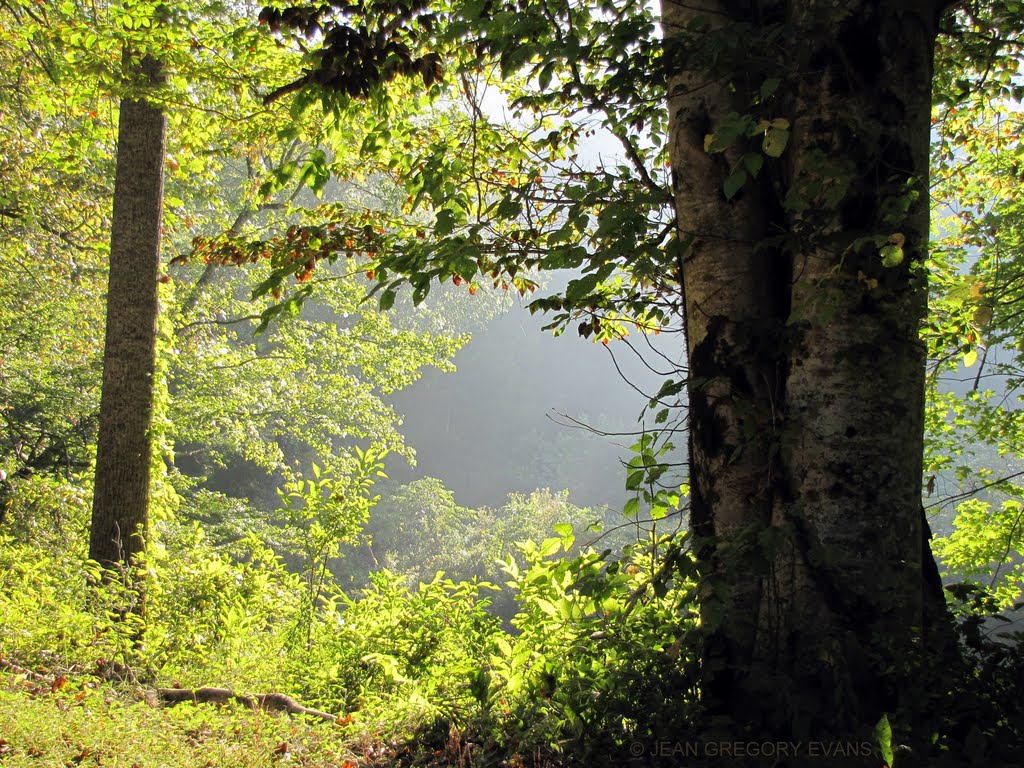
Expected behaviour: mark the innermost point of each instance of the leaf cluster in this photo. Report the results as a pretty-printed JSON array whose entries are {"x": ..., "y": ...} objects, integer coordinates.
[{"x": 361, "y": 45}]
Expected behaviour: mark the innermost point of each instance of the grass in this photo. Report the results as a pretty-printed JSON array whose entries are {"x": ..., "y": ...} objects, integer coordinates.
[
  {"x": 88, "y": 722},
  {"x": 91, "y": 723}
]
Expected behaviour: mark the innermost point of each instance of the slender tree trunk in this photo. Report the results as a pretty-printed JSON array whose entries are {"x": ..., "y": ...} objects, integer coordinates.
[
  {"x": 121, "y": 498},
  {"x": 804, "y": 294}
]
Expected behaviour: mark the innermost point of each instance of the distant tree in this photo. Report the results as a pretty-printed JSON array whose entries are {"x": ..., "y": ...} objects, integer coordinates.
[
  {"x": 120, "y": 513},
  {"x": 418, "y": 530}
]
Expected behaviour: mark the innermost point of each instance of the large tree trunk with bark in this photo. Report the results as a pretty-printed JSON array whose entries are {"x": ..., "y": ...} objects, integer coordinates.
[
  {"x": 121, "y": 497},
  {"x": 804, "y": 293}
]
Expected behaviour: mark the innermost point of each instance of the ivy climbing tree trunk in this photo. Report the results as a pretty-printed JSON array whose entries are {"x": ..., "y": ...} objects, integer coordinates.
[
  {"x": 799, "y": 148},
  {"x": 121, "y": 497}
]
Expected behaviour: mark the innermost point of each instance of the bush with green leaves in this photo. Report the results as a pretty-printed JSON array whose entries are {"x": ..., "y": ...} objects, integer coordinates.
[
  {"x": 321, "y": 513},
  {"x": 210, "y": 611},
  {"x": 46, "y": 510},
  {"x": 987, "y": 545},
  {"x": 419, "y": 529},
  {"x": 217, "y": 615},
  {"x": 47, "y": 620},
  {"x": 400, "y": 656},
  {"x": 47, "y": 617},
  {"x": 605, "y": 650}
]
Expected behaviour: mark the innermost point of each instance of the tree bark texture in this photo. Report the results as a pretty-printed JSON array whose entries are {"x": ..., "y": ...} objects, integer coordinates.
[
  {"x": 806, "y": 372},
  {"x": 121, "y": 496}
]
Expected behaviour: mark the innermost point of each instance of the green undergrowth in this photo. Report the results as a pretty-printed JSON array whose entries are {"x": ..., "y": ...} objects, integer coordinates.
[
  {"x": 96, "y": 724},
  {"x": 599, "y": 655}
]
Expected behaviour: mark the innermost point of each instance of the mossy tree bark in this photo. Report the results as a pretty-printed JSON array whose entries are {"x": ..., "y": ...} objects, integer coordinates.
[{"x": 804, "y": 294}]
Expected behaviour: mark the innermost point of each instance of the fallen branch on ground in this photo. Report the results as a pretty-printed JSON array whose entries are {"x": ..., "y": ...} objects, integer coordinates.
[
  {"x": 268, "y": 702},
  {"x": 276, "y": 702},
  {"x": 10, "y": 666}
]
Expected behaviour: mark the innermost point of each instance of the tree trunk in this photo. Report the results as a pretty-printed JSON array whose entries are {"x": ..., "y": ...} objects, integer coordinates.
[
  {"x": 806, "y": 378},
  {"x": 121, "y": 497}
]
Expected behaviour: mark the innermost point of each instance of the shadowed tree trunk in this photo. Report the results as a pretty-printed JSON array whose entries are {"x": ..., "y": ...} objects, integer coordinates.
[
  {"x": 121, "y": 497},
  {"x": 804, "y": 293}
]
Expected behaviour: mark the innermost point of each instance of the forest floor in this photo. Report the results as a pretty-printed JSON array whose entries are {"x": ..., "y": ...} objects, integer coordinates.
[{"x": 71, "y": 721}]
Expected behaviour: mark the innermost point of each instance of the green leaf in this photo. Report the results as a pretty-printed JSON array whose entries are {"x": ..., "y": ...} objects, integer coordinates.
[
  {"x": 727, "y": 131},
  {"x": 734, "y": 183},
  {"x": 550, "y": 546},
  {"x": 753, "y": 163},
  {"x": 883, "y": 737},
  {"x": 387, "y": 299},
  {"x": 775, "y": 141},
  {"x": 769, "y": 86},
  {"x": 634, "y": 480},
  {"x": 544, "y": 79},
  {"x": 509, "y": 207},
  {"x": 892, "y": 255},
  {"x": 445, "y": 222},
  {"x": 548, "y": 607}
]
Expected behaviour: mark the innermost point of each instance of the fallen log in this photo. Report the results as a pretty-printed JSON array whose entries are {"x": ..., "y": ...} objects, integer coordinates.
[
  {"x": 168, "y": 697},
  {"x": 274, "y": 702},
  {"x": 28, "y": 674}
]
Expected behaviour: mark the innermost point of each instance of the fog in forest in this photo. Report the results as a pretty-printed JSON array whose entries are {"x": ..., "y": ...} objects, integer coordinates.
[{"x": 527, "y": 409}]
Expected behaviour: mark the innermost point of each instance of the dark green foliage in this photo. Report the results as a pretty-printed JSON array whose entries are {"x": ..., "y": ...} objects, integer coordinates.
[
  {"x": 977, "y": 716},
  {"x": 605, "y": 655}
]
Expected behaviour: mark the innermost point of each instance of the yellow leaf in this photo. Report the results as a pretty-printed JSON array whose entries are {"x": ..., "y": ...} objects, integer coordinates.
[
  {"x": 870, "y": 282},
  {"x": 775, "y": 141},
  {"x": 708, "y": 140},
  {"x": 970, "y": 358}
]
